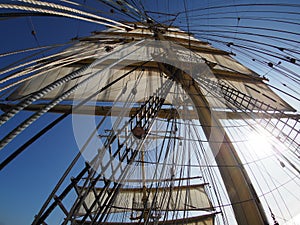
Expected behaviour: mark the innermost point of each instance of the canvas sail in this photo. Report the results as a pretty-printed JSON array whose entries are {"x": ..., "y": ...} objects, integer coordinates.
[
  {"x": 178, "y": 198},
  {"x": 221, "y": 68},
  {"x": 196, "y": 220}
]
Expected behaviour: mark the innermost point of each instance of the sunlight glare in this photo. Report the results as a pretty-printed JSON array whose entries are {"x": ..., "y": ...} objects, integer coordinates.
[
  {"x": 260, "y": 143},
  {"x": 294, "y": 221}
]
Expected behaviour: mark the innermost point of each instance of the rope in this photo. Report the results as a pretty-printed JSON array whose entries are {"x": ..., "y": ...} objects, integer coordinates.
[
  {"x": 31, "y": 69},
  {"x": 56, "y": 6},
  {"x": 8, "y": 138},
  {"x": 34, "y": 9}
]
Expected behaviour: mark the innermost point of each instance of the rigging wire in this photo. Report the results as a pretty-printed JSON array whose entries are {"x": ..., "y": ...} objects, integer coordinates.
[
  {"x": 55, "y": 13},
  {"x": 5, "y": 117},
  {"x": 240, "y": 46},
  {"x": 68, "y": 9},
  {"x": 257, "y": 182},
  {"x": 84, "y": 146},
  {"x": 33, "y": 31}
]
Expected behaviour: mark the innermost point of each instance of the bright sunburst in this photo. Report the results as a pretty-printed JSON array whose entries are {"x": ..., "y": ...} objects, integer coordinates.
[{"x": 260, "y": 143}]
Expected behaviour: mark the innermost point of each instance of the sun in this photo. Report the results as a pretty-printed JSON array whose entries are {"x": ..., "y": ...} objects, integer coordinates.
[
  {"x": 260, "y": 142},
  {"x": 294, "y": 221}
]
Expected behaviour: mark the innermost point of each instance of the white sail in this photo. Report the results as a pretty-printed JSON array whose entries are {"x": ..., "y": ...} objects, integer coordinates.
[
  {"x": 178, "y": 198},
  {"x": 196, "y": 220},
  {"x": 228, "y": 128},
  {"x": 223, "y": 67}
]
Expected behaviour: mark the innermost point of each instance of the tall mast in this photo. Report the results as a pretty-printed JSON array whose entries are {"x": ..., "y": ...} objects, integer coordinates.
[
  {"x": 246, "y": 205},
  {"x": 247, "y": 208}
]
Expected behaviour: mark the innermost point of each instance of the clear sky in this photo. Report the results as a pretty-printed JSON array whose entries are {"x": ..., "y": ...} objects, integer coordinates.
[{"x": 27, "y": 182}]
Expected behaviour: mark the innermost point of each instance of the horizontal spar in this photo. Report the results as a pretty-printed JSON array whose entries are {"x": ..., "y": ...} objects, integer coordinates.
[{"x": 170, "y": 113}]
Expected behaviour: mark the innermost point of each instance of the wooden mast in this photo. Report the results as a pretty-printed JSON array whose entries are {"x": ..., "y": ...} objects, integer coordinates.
[{"x": 246, "y": 205}]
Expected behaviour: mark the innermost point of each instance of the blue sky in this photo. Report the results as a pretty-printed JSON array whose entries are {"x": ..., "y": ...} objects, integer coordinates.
[{"x": 26, "y": 183}]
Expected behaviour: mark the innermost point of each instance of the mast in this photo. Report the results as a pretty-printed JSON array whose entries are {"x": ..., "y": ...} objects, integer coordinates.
[{"x": 246, "y": 205}]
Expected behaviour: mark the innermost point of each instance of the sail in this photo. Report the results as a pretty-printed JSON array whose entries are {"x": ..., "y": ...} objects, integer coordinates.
[
  {"x": 177, "y": 198},
  {"x": 196, "y": 220},
  {"x": 221, "y": 68},
  {"x": 173, "y": 125}
]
